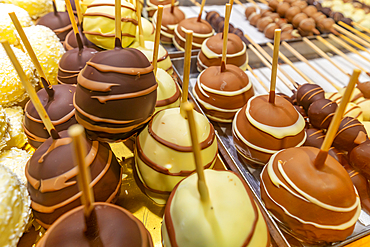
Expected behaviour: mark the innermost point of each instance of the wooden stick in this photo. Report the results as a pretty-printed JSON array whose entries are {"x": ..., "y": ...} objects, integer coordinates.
[
  {"x": 269, "y": 58},
  {"x": 362, "y": 35},
  {"x": 354, "y": 43},
  {"x": 361, "y": 27},
  {"x": 334, "y": 125},
  {"x": 268, "y": 65},
  {"x": 337, "y": 51},
  {"x": 74, "y": 25},
  {"x": 31, "y": 91},
  {"x": 79, "y": 13},
  {"x": 172, "y": 6},
  {"x": 186, "y": 74},
  {"x": 351, "y": 35},
  {"x": 46, "y": 84},
  {"x": 76, "y": 132},
  {"x": 225, "y": 35},
  {"x": 303, "y": 59},
  {"x": 157, "y": 37},
  {"x": 138, "y": 15},
  {"x": 195, "y": 3},
  {"x": 258, "y": 79},
  {"x": 275, "y": 58},
  {"x": 55, "y": 7},
  {"x": 240, "y": 3},
  {"x": 287, "y": 61},
  {"x": 117, "y": 22},
  {"x": 201, "y": 10},
  {"x": 346, "y": 46},
  {"x": 324, "y": 55},
  {"x": 202, "y": 186}
]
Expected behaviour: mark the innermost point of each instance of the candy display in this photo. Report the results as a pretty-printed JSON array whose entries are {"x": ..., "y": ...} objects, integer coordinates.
[
  {"x": 11, "y": 88},
  {"x": 222, "y": 94},
  {"x": 98, "y": 23},
  {"x": 169, "y": 22},
  {"x": 168, "y": 93},
  {"x": 35, "y": 8},
  {"x": 231, "y": 204},
  {"x": 107, "y": 85},
  {"x": 211, "y": 52},
  {"x": 51, "y": 176},
  {"x": 59, "y": 22},
  {"x": 14, "y": 207},
  {"x": 304, "y": 206},
  {"x": 48, "y": 49},
  {"x": 202, "y": 30},
  {"x": 164, "y": 154},
  {"x": 15, "y": 115},
  {"x": 15, "y": 159},
  {"x": 260, "y": 129},
  {"x": 164, "y": 61},
  {"x": 60, "y": 111},
  {"x": 71, "y": 63},
  {"x": 8, "y": 30}
]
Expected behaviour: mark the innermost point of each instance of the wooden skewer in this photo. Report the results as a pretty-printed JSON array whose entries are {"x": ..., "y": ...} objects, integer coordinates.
[
  {"x": 275, "y": 58},
  {"x": 362, "y": 35},
  {"x": 361, "y": 27},
  {"x": 269, "y": 58},
  {"x": 31, "y": 91},
  {"x": 74, "y": 25},
  {"x": 346, "y": 46},
  {"x": 202, "y": 186},
  {"x": 240, "y": 3},
  {"x": 324, "y": 55},
  {"x": 354, "y": 43},
  {"x": 201, "y": 10},
  {"x": 225, "y": 34},
  {"x": 258, "y": 79},
  {"x": 138, "y": 15},
  {"x": 351, "y": 35},
  {"x": 187, "y": 65},
  {"x": 79, "y": 13},
  {"x": 195, "y": 3},
  {"x": 268, "y": 65},
  {"x": 46, "y": 84},
  {"x": 117, "y": 22},
  {"x": 157, "y": 37},
  {"x": 287, "y": 61},
  {"x": 334, "y": 125},
  {"x": 172, "y": 6},
  {"x": 55, "y": 7},
  {"x": 303, "y": 59},
  {"x": 337, "y": 51}
]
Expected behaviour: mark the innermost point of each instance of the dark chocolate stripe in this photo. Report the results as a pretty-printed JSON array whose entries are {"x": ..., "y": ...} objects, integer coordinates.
[{"x": 203, "y": 145}]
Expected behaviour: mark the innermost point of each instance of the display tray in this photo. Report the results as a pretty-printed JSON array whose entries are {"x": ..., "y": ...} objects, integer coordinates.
[{"x": 251, "y": 175}]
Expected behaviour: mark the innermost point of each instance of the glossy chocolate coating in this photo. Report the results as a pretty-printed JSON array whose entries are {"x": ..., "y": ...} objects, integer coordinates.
[
  {"x": 116, "y": 94},
  {"x": 168, "y": 19},
  {"x": 52, "y": 177},
  {"x": 321, "y": 112},
  {"x": 71, "y": 63},
  {"x": 308, "y": 93},
  {"x": 350, "y": 134},
  {"x": 359, "y": 158},
  {"x": 234, "y": 45},
  {"x": 70, "y": 41},
  {"x": 364, "y": 88},
  {"x": 217, "y": 103},
  {"x": 298, "y": 165},
  {"x": 211, "y": 16},
  {"x": 59, "y": 23},
  {"x": 117, "y": 227},
  {"x": 60, "y": 110},
  {"x": 315, "y": 137},
  {"x": 280, "y": 114}
]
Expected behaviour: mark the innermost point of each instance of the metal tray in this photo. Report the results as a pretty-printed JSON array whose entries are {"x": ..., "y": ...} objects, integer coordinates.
[{"x": 251, "y": 175}]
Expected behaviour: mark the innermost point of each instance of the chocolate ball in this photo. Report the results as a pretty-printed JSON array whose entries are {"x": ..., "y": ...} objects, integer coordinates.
[
  {"x": 308, "y": 93},
  {"x": 59, "y": 23},
  {"x": 315, "y": 137},
  {"x": 253, "y": 18},
  {"x": 337, "y": 16},
  {"x": 273, "y": 4},
  {"x": 326, "y": 11},
  {"x": 364, "y": 88},
  {"x": 359, "y": 158},
  {"x": 321, "y": 113},
  {"x": 263, "y": 23},
  {"x": 309, "y": 10},
  {"x": 282, "y": 8},
  {"x": 300, "y": 4},
  {"x": 298, "y": 18},
  {"x": 291, "y": 12},
  {"x": 270, "y": 30},
  {"x": 249, "y": 10},
  {"x": 351, "y": 133}
]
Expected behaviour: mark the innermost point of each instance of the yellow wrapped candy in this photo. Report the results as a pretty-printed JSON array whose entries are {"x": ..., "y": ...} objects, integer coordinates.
[
  {"x": 7, "y": 28},
  {"x": 48, "y": 49},
  {"x": 99, "y": 25},
  {"x": 35, "y": 8},
  {"x": 11, "y": 88}
]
